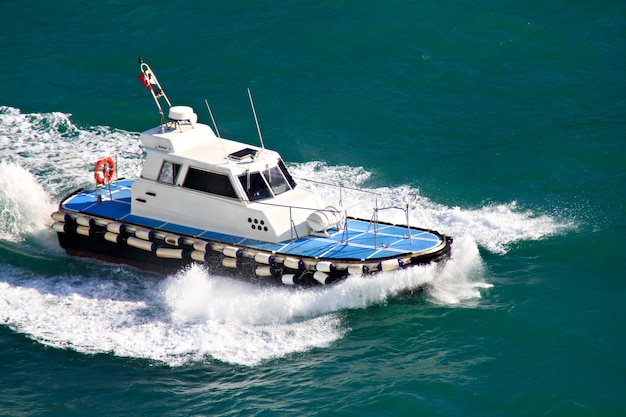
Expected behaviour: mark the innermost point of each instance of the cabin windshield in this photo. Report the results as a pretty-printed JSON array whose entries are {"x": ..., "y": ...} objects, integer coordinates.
[
  {"x": 255, "y": 186},
  {"x": 260, "y": 185},
  {"x": 276, "y": 180}
]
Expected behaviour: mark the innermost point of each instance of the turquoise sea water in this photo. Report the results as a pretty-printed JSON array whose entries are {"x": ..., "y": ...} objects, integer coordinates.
[{"x": 502, "y": 123}]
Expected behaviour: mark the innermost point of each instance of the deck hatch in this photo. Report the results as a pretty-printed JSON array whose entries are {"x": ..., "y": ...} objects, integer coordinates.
[{"x": 243, "y": 153}]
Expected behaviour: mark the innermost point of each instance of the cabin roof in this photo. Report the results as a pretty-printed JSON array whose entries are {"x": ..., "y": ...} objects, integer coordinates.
[{"x": 198, "y": 145}]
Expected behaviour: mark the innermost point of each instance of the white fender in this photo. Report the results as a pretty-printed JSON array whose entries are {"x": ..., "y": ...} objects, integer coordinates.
[
  {"x": 144, "y": 234},
  {"x": 59, "y": 227},
  {"x": 116, "y": 227},
  {"x": 85, "y": 221},
  {"x": 325, "y": 266},
  {"x": 202, "y": 246},
  {"x": 321, "y": 277},
  {"x": 264, "y": 258},
  {"x": 356, "y": 269},
  {"x": 61, "y": 217},
  {"x": 230, "y": 262},
  {"x": 140, "y": 244},
  {"x": 83, "y": 230},
  {"x": 113, "y": 237},
  {"x": 288, "y": 279},
  {"x": 390, "y": 265},
  {"x": 174, "y": 240},
  {"x": 264, "y": 270},
  {"x": 232, "y": 252},
  {"x": 293, "y": 263},
  {"x": 199, "y": 256},
  {"x": 170, "y": 253}
]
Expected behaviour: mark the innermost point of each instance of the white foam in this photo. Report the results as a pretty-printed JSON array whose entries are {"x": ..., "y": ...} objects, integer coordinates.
[
  {"x": 95, "y": 315},
  {"x": 463, "y": 278},
  {"x": 24, "y": 206}
]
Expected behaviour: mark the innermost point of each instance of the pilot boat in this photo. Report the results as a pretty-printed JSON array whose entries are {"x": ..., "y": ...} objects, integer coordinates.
[{"x": 231, "y": 206}]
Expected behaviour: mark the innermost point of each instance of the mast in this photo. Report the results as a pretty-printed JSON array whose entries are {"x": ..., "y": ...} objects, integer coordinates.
[{"x": 151, "y": 82}]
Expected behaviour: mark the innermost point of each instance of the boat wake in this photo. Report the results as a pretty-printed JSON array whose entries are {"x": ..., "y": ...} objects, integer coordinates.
[{"x": 194, "y": 315}]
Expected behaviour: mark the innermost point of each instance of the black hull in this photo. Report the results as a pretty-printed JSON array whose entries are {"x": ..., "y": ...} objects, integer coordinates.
[
  {"x": 92, "y": 247},
  {"x": 95, "y": 246}
]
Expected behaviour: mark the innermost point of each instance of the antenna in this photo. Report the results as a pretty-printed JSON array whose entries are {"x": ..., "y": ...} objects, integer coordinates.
[
  {"x": 211, "y": 114},
  {"x": 216, "y": 129},
  {"x": 255, "y": 119}
]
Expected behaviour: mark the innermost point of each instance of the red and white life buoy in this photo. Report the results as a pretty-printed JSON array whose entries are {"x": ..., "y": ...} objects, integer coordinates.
[{"x": 105, "y": 170}]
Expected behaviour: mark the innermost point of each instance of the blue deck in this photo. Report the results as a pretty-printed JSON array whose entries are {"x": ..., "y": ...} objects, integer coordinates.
[{"x": 363, "y": 244}]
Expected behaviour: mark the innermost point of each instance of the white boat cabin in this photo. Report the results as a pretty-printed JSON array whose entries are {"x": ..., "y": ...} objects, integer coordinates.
[{"x": 193, "y": 178}]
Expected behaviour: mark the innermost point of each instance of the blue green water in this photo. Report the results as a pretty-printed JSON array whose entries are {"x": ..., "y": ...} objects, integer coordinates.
[{"x": 500, "y": 122}]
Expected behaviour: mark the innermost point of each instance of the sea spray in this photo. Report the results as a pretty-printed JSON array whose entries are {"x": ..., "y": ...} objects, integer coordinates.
[
  {"x": 463, "y": 278},
  {"x": 24, "y": 206}
]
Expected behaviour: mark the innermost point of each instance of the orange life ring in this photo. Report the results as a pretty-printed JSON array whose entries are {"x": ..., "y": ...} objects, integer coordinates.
[{"x": 105, "y": 170}]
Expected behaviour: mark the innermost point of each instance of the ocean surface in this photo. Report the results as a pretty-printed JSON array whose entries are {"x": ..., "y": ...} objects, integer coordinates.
[{"x": 501, "y": 123}]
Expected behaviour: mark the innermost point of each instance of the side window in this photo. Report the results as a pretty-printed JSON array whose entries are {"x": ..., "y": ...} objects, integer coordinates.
[
  {"x": 209, "y": 182},
  {"x": 255, "y": 186},
  {"x": 169, "y": 172}
]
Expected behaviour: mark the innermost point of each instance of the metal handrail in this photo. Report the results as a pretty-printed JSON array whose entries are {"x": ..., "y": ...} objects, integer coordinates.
[
  {"x": 374, "y": 217},
  {"x": 376, "y": 209},
  {"x": 373, "y": 220},
  {"x": 375, "y": 214}
]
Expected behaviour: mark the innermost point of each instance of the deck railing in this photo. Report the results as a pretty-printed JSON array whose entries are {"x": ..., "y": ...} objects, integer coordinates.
[{"x": 374, "y": 221}]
